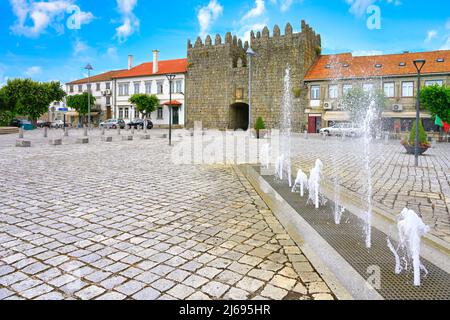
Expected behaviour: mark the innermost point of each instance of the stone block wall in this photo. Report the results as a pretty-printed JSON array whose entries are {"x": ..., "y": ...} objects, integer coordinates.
[{"x": 217, "y": 75}]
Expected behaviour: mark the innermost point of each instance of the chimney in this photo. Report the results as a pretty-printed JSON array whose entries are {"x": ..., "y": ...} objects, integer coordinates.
[
  {"x": 155, "y": 61},
  {"x": 130, "y": 62}
]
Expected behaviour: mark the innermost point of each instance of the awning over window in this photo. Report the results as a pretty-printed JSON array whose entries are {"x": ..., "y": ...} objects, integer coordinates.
[
  {"x": 173, "y": 103},
  {"x": 337, "y": 116},
  {"x": 406, "y": 115}
]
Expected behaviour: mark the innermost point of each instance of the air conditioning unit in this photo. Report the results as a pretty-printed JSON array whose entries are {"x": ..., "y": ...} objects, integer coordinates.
[
  {"x": 327, "y": 105},
  {"x": 108, "y": 92},
  {"x": 103, "y": 93},
  {"x": 338, "y": 105},
  {"x": 397, "y": 108}
]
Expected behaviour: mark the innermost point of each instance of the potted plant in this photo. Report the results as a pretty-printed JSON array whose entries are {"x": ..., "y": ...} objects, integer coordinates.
[
  {"x": 410, "y": 144},
  {"x": 259, "y": 125}
]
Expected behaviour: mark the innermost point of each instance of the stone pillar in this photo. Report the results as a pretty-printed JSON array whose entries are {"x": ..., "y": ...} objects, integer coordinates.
[
  {"x": 45, "y": 132},
  {"x": 118, "y": 131},
  {"x": 85, "y": 134},
  {"x": 103, "y": 131},
  {"x": 20, "y": 133},
  {"x": 66, "y": 132}
]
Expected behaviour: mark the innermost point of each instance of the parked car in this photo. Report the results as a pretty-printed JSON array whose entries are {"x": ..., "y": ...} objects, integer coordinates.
[
  {"x": 58, "y": 124},
  {"x": 43, "y": 124},
  {"x": 340, "y": 129},
  {"x": 139, "y": 123},
  {"x": 113, "y": 124},
  {"x": 20, "y": 123}
]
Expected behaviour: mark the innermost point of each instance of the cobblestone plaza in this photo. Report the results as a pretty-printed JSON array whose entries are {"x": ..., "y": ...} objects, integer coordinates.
[{"x": 119, "y": 221}]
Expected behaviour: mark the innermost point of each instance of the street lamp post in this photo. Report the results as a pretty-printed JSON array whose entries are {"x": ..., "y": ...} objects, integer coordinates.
[
  {"x": 170, "y": 77},
  {"x": 250, "y": 55},
  {"x": 89, "y": 68},
  {"x": 419, "y": 65}
]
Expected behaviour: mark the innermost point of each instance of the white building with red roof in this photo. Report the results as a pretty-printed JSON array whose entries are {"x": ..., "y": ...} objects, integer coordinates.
[{"x": 152, "y": 78}]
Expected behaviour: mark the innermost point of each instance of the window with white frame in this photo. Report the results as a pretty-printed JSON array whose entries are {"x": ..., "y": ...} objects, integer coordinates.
[
  {"x": 80, "y": 88},
  {"x": 137, "y": 86},
  {"x": 408, "y": 89},
  {"x": 148, "y": 87},
  {"x": 315, "y": 92},
  {"x": 124, "y": 89},
  {"x": 120, "y": 113},
  {"x": 346, "y": 88},
  {"x": 179, "y": 86},
  {"x": 136, "y": 114},
  {"x": 127, "y": 113},
  {"x": 160, "y": 113},
  {"x": 71, "y": 89},
  {"x": 368, "y": 87},
  {"x": 160, "y": 86},
  {"x": 333, "y": 91},
  {"x": 97, "y": 87},
  {"x": 429, "y": 83},
  {"x": 108, "y": 86},
  {"x": 389, "y": 89}
]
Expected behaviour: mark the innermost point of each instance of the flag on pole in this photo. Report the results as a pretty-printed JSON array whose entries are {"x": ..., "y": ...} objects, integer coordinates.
[{"x": 442, "y": 124}]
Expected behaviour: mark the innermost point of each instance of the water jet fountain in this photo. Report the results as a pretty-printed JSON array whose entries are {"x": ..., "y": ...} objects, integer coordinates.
[
  {"x": 314, "y": 184},
  {"x": 410, "y": 231},
  {"x": 301, "y": 181}
]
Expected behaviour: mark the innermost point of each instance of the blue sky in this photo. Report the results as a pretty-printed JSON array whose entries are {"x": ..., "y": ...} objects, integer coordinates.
[{"x": 54, "y": 39}]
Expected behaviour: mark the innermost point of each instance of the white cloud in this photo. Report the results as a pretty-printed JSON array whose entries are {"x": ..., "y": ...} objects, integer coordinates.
[
  {"x": 258, "y": 10},
  {"x": 207, "y": 15},
  {"x": 285, "y": 5},
  {"x": 361, "y": 53},
  {"x": 111, "y": 54},
  {"x": 79, "y": 47},
  {"x": 446, "y": 46},
  {"x": 130, "y": 23},
  {"x": 431, "y": 35},
  {"x": 33, "y": 71},
  {"x": 359, "y": 7},
  {"x": 43, "y": 14},
  {"x": 245, "y": 31}
]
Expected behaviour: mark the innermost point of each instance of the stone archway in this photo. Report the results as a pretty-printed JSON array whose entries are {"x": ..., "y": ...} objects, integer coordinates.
[{"x": 239, "y": 116}]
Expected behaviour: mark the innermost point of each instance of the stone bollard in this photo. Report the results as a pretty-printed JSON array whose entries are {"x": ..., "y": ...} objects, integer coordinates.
[
  {"x": 103, "y": 131},
  {"x": 45, "y": 132},
  {"x": 83, "y": 140},
  {"x": 55, "y": 142},
  {"x": 324, "y": 137},
  {"x": 127, "y": 138},
  {"x": 386, "y": 137},
  {"x": 132, "y": 130},
  {"x": 306, "y": 135},
  {"x": 66, "y": 132},
  {"x": 20, "y": 133},
  {"x": 118, "y": 131},
  {"x": 21, "y": 143},
  {"x": 85, "y": 134}
]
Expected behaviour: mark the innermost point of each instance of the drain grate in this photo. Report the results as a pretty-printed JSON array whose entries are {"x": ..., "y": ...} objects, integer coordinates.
[{"x": 348, "y": 239}]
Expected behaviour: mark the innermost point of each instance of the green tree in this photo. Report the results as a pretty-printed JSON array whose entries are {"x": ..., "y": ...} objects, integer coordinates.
[
  {"x": 259, "y": 125},
  {"x": 423, "y": 139},
  {"x": 357, "y": 101},
  {"x": 145, "y": 103},
  {"x": 436, "y": 99},
  {"x": 80, "y": 103},
  {"x": 30, "y": 98}
]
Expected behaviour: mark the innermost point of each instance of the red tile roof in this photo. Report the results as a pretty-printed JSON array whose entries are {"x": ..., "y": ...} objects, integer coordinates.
[
  {"x": 365, "y": 67},
  {"x": 164, "y": 67},
  {"x": 172, "y": 103},
  {"x": 98, "y": 78}
]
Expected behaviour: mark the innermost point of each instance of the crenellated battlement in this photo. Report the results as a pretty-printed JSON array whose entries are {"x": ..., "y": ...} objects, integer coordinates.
[
  {"x": 218, "y": 73},
  {"x": 259, "y": 36}
]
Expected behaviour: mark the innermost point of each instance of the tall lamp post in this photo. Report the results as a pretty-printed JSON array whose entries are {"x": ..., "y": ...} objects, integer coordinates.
[
  {"x": 250, "y": 55},
  {"x": 89, "y": 68},
  {"x": 170, "y": 77},
  {"x": 419, "y": 65}
]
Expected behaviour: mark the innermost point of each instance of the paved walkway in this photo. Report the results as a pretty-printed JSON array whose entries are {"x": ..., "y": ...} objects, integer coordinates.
[
  {"x": 396, "y": 182},
  {"x": 119, "y": 221}
]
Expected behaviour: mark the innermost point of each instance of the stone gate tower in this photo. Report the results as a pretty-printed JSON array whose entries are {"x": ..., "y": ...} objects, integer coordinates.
[{"x": 217, "y": 78}]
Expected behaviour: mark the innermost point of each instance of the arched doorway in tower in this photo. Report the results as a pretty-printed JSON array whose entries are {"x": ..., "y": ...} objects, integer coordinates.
[{"x": 239, "y": 116}]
